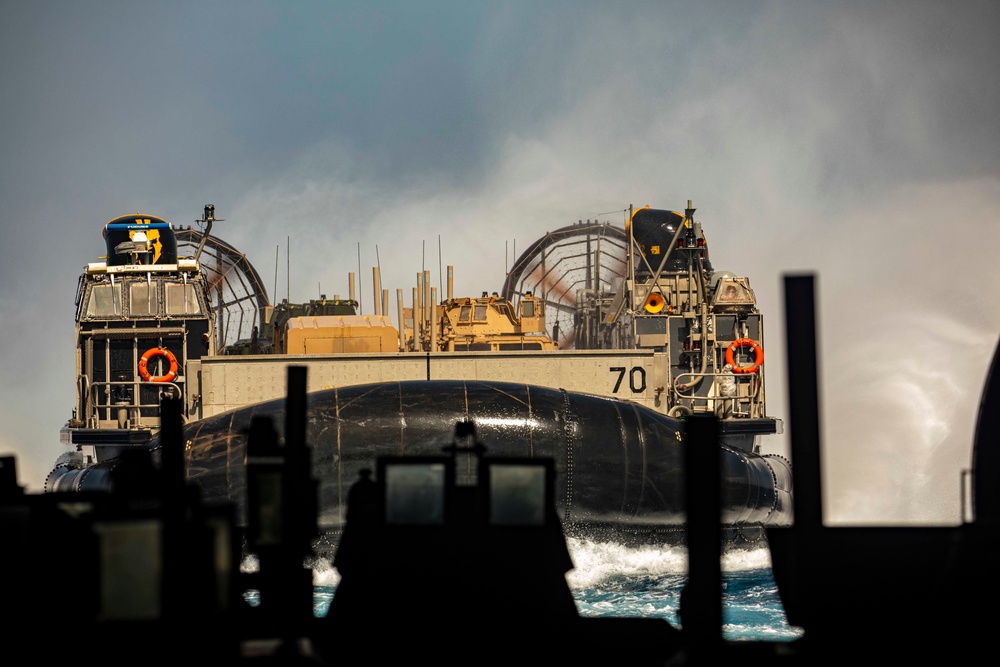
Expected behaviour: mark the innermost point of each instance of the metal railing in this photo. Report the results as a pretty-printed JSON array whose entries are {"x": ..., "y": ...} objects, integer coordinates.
[
  {"x": 742, "y": 406},
  {"x": 128, "y": 412}
]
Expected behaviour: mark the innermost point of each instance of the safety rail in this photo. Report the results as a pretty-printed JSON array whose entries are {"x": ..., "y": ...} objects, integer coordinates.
[
  {"x": 730, "y": 406},
  {"x": 132, "y": 415}
]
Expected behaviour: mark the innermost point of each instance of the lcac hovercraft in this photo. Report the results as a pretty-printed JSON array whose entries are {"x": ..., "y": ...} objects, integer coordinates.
[{"x": 656, "y": 336}]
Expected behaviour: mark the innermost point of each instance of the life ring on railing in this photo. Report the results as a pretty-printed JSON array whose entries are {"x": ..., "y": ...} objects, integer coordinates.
[
  {"x": 755, "y": 348},
  {"x": 158, "y": 352}
]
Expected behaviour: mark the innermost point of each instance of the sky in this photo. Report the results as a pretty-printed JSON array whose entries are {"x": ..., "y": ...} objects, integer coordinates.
[{"x": 858, "y": 142}]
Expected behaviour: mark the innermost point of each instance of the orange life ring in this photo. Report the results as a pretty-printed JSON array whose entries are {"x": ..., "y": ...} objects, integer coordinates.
[
  {"x": 755, "y": 348},
  {"x": 158, "y": 352}
]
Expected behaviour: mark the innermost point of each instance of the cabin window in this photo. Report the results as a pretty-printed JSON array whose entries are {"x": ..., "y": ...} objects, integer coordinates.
[
  {"x": 527, "y": 309},
  {"x": 181, "y": 299},
  {"x": 732, "y": 293},
  {"x": 142, "y": 299},
  {"x": 651, "y": 325},
  {"x": 523, "y": 345},
  {"x": 473, "y": 347},
  {"x": 465, "y": 313},
  {"x": 480, "y": 313},
  {"x": 104, "y": 301},
  {"x": 415, "y": 493}
]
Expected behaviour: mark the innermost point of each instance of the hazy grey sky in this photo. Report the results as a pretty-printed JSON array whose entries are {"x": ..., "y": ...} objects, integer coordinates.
[{"x": 859, "y": 141}]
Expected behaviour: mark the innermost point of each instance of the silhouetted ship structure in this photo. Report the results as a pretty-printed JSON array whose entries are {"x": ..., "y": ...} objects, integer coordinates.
[
  {"x": 915, "y": 593},
  {"x": 603, "y": 343},
  {"x": 148, "y": 572}
]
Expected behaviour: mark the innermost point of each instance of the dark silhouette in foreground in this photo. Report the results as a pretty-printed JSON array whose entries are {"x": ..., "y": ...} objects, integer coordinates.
[
  {"x": 912, "y": 592},
  {"x": 485, "y": 565}
]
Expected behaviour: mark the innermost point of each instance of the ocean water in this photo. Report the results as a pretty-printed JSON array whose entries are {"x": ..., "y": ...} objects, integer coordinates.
[{"x": 612, "y": 580}]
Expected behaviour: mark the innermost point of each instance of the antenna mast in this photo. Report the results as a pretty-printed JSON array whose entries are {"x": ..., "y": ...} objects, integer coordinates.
[{"x": 207, "y": 219}]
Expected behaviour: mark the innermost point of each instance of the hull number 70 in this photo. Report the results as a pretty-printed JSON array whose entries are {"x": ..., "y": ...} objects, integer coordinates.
[{"x": 636, "y": 378}]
